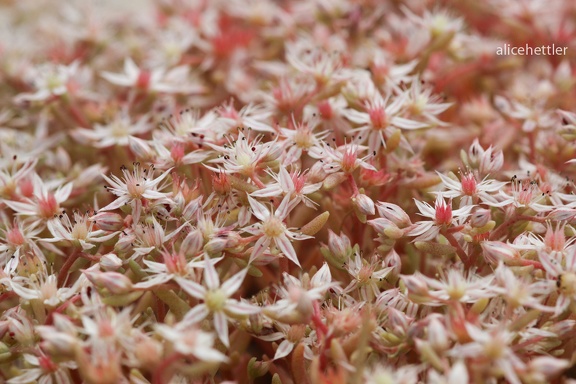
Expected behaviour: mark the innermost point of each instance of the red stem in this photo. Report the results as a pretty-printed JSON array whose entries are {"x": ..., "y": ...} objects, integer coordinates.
[{"x": 63, "y": 274}]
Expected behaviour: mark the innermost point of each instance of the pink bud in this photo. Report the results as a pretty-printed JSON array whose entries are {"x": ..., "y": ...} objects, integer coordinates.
[
  {"x": 494, "y": 251},
  {"x": 480, "y": 218},
  {"x": 364, "y": 204},
  {"x": 394, "y": 213},
  {"x": 108, "y": 221},
  {"x": 114, "y": 282},
  {"x": 110, "y": 262},
  {"x": 339, "y": 246},
  {"x": 193, "y": 243}
]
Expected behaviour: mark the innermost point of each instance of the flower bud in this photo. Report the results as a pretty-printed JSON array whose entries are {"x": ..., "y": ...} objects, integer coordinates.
[
  {"x": 415, "y": 285},
  {"x": 110, "y": 262},
  {"x": 108, "y": 221},
  {"x": 339, "y": 246},
  {"x": 394, "y": 213},
  {"x": 386, "y": 228},
  {"x": 480, "y": 218},
  {"x": 124, "y": 243},
  {"x": 437, "y": 335},
  {"x": 317, "y": 173},
  {"x": 215, "y": 246},
  {"x": 494, "y": 251},
  {"x": 114, "y": 282},
  {"x": 363, "y": 204},
  {"x": 193, "y": 243},
  {"x": 562, "y": 214}
]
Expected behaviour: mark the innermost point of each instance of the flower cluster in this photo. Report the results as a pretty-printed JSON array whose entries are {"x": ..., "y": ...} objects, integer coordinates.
[{"x": 297, "y": 191}]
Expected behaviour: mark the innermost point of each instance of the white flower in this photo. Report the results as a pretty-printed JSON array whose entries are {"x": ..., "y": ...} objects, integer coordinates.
[
  {"x": 174, "y": 80},
  {"x": 46, "y": 371},
  {"x": 441, "y": 215},
  {"x": 344, "y": 158},
  {"x": 45, "y": 202},
  {"x": 138, "y": 184},
  {"x": 289, "y": 184},
  {"x": 49, "y": 80},
  {"x": 216, "y": 299},
  {"x": 244, "y": 156},
  {"x": 79, "y": 231},
  {"x": 43, "y": 288},
  {"x": 271, "y": 228},
  {"x": 116, "y": 132},
  {"x": 191, "y": 342},
  {"x": 379, "y": 120}
]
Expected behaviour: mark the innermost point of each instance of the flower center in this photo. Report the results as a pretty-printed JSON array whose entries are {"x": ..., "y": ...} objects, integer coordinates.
[
  {"x": 273, "y": 227},
  {"x": 80, "y": 231},
  {"x": 216, "y": 300}
]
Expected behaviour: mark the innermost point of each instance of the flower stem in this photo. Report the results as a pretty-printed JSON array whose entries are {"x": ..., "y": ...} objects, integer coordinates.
[
  {"x": 63, "y": 274},
  {"x": 459, "y": 250}
]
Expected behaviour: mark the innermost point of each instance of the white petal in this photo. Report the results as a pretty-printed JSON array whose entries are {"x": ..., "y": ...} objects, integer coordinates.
[
  {"x": 191, "y": 288},
  {"x": 259, "y": 209},
  {"x": 283, "y": 350},
  {"x": 232, "y": 284},
  {"x": 196, "y": 314},
  {"x": 240, "y": 308},
  {"x": 221, "y": 327},
  {"x": 211, "y": 275},
  {"x": 287, "y": 249}
]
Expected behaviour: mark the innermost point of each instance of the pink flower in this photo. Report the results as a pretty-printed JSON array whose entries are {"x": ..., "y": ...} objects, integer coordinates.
[{"x": 441, "y": 215}]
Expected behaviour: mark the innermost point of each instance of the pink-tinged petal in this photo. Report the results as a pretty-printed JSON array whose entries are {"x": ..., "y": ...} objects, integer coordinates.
[
  {"x": 259, "y": 248},
  {"x": 119, "y": 202},
  {"x": 196, "y": 314},
  {"x": 286, "y": 179},
  {"x": 63, "y": 192},
  {"x": 259, "y": 209},
  {"x": 156, "y": 181},
  {"x": 107, "y": 237},
  {"x": 285, "y": 207},
  {"x": 209, "y": 354},
  {"x": 117, "y": 79},
  {"x": 269, "y": 191},
  {"x": 193, "y": 289},
  {"x": 221, "y": 327},
  {"x": 550, "y": 265},
  {"x": 311, "y": 188},
  {"x": 420, "y": 228},
  {"x": 152, "y": 282},
  {"x": 210, "y": 275},
  {"x": 57, "y": 229},
  {"x": 240, "y": 308},
  {"x": 21, "y": 208},
  {"x": 401, "y": 122},
  {"x": 322, "y": 277},
  {"x": 287, "y": 249},
  {"x": 283, "y": 350},
  {"x": 272, "y": 337},
  {"x": 232, "y": 284},
  {"x": 425, "y": 209},
  {"x": 195, "y": 157}
]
